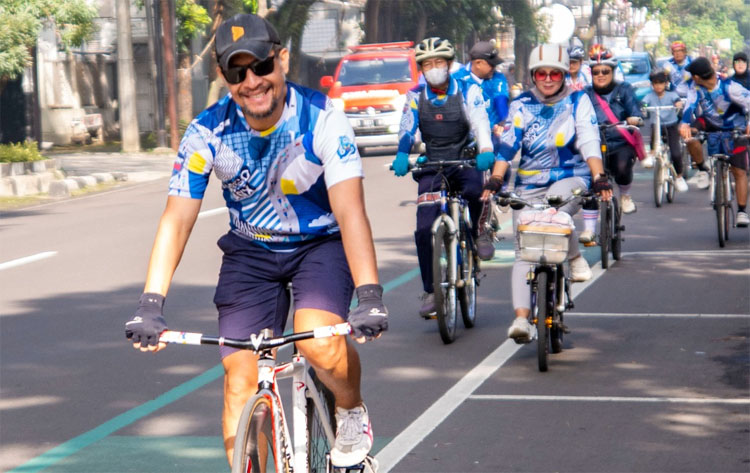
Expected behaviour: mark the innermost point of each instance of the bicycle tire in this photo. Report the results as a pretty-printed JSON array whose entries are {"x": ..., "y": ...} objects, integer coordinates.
[
  {"x": 617, "y": 229},
  {"x": 445, "y": 293},
  {"x": 658, "y": 182},
  {"x": 542, "y": 310},
  {"x": 729, "y": 199},
  {"x": 719, "y": 204},
  {"x": 255, "y": 438},
  {"x": 670, "y": 182},
  {"x": 467, "y": 294},
  {"x": 605, "y": 232},
  {"x": 318, "y": 445},
  {"x": 556, "y": 330}
]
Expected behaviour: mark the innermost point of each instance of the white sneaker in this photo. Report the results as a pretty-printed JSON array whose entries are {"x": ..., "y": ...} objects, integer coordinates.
[
  {"x": 680, "y": 184},
  {"x": 628, "y": 206},
  {"x": 353, "y": 437},
  {"x": 520, "y": 330},
  {"x": 586, "y": 237},
  {"x": 701, "y": 180},
  {"x": 579, "y": 269},
  {"x": 742, "y": 219},
  {"x": 648, "y": 161}
]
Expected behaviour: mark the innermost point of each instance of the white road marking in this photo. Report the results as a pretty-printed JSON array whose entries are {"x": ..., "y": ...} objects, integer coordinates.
[
  {"x": 677, "y": 400},
  {"x": 212, "y": 212},
  {"x": 423, "y": 425},
  {"x": 655, "y": 315},
  {"x": 687, "y": 253},
  {"x": 27, "y": 259}
]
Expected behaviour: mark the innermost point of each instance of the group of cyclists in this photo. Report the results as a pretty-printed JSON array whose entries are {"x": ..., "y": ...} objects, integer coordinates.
[{"x": 292, "y": 180}]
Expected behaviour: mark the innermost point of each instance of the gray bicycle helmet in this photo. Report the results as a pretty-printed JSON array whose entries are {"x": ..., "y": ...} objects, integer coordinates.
[{"x": 434, "y": 47}]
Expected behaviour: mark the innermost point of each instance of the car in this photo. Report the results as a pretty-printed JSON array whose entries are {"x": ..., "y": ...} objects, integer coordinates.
[
  {"x": 636, "y": 67},
  {"x": 370, "y": 86}
]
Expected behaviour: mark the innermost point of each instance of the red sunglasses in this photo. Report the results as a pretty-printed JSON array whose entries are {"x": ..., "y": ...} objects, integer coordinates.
[{"x": 554, "y": 75}]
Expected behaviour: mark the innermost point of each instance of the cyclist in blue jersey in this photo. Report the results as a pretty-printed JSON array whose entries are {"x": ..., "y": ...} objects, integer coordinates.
[
  {"x": 679, "y": 78},
  {"x": 556, "y": 130},
  {"x": 720, "y": 105},
  {"x": 292, "y": 181},
  {"x": 481, "y": 71},
  {"x": 451, "y": 117},
  {"x": 579, "y": 76}
]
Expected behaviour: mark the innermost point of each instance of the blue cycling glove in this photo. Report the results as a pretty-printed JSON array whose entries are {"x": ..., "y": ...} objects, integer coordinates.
[
  {"x": 370, "y": 317},
  {"x": 148, "y": 322},
  {"x": 485, "y": 160},
  {"x": 401, "y": 164}
]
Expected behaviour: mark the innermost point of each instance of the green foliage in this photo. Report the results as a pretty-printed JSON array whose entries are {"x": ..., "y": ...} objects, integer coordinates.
[
  {"x": 699, "y": 23},
  {"x": 250, "y": 6},
  {"x": 21, "y": 20},
  {"x": 20, "y": 152},
  {"x": 191, "y": 21}
]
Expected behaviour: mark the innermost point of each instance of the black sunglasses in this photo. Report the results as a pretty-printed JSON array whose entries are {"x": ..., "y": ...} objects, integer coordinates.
[
  {"x": 601, "y": 72},
  {"x": 237, "y": 74}
]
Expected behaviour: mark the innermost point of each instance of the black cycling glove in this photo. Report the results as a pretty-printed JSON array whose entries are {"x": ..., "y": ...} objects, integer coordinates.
[
  {"x": 601, "y": 184},
  {"x": 148, "y": 322},
  {"x": 370, "y": 317},
  {"x": 493, "y": 184}
]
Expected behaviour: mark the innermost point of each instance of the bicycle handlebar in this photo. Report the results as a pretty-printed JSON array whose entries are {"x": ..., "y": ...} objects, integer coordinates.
[
  {"x": 737, "y": 133},
  {"x": 439, "y": 164},
  {"x": 625, "y": 125},
  {"x": 556, "y": 201},
  {"x": 257, "y": 342}
]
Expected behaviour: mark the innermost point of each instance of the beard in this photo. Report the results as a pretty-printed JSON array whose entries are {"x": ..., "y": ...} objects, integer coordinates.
[{"x": 263, "y": 113}]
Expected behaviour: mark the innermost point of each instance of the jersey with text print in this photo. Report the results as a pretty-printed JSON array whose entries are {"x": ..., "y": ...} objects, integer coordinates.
[{"x": 275, "y": 182}]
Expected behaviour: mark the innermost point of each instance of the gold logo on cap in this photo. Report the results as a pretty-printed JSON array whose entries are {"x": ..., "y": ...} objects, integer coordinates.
[{"x": 237, "y": 32}]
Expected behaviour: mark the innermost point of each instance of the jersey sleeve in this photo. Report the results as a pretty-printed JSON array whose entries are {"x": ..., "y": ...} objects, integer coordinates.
[
  {"x": 739, "y": 95},
  {"x": 587, "y": 129},
  {"x": 194, "y": 162},
  {"x": 333, "y": 144},
  {"x": 690, "y": 105},
  {"x": 409, "y": 122},
  {"x": 477, "y": 113},
  {"x": 510, "y": 141}
]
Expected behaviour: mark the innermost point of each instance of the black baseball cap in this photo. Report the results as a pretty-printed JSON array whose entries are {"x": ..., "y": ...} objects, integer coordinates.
[
  {"x": 487, "y": 51},
  {"x": 701, "y": 67},
  {"x": 245, "y": 33},
  {"x": 741, "y": 56}
]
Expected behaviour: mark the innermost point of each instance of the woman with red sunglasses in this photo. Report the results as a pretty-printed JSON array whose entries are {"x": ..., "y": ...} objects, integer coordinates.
[{"x": 555, "y": 129}]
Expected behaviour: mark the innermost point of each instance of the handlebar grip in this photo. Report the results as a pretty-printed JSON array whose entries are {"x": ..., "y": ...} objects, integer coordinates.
[{"x": 184, "y": 338}]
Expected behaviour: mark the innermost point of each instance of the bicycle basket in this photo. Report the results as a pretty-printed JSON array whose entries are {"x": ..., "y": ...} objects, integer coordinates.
[{"x": 544, "y": 236}]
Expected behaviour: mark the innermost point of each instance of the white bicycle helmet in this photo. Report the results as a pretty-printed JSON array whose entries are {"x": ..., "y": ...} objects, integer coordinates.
[
  {"x": 433, "y": 47},
  {"x": 549, "y": 55}
]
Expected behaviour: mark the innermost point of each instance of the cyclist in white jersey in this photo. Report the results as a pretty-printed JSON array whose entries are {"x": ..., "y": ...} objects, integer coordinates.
[{"x": 292, "y": 181}]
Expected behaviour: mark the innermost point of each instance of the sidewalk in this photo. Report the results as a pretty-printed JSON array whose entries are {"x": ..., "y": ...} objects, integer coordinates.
[{"x": 76, "y": 171}]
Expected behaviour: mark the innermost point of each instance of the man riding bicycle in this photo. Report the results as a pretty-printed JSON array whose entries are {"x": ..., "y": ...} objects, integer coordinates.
[
  {"x": 555, "y": 129},
  {"x": 292, "y": 181},
  {"x": 579, "y": 76},
  {"x": 679, "y": 78},
  {"x": 481, "y": 71},
  {"x": 451, "y": 117},
  {"x": 720, "y": 105}
]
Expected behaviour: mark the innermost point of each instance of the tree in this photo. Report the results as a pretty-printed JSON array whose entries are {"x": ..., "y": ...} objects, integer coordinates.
[
  {"x": 700, "y": 23},
  {"x": 21, "y": 21}
]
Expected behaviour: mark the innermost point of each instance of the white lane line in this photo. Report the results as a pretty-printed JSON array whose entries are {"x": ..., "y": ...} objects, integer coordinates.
[
  {"x": 212, "y": 212},
  {"x": 27, "y": 259},
  {"x": 687, "y": 253},
  {"x": 676, "y": 400},
  {"x": 655, "y": 315},
  {"x": 423, "y": 425}
]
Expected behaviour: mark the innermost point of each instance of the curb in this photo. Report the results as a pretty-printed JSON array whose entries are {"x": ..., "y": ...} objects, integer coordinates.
[{"x": 54, "y": 184}]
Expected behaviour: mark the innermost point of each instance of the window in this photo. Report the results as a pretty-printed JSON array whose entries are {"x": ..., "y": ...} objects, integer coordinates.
[{"x": 374, "y": 71}]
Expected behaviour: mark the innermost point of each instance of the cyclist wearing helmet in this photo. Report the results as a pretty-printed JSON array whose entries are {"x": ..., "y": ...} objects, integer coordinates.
[
  {"x": 614, "y": 102},
  {"x": 555, "y": 129},
  {"x": 451, "y": 116},
  {"x": 720, "y": 105},
  {"x": 580, "y": 73},
  {"x": 675, "y": 69},
  {"x": 481, "y": 71}
]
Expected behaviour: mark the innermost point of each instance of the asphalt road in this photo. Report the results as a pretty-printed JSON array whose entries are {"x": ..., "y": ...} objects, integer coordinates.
[{"x": 655, "y": 376}]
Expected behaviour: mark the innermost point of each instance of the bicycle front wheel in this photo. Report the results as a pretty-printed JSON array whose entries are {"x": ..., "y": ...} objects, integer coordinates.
[
  {"x": 617, "y": 228},
  {"x": 542, "y": 311},
  {"x": 658, "y": 181},
  {"x": 719, "y": 203},
  {"x": 255, "y": 447},
  {"x": 318, "y": 443},
  {"x": 670, "y": 178},
  {"x": 605, "y": 231},
  {"x": 443, "y": 264}
]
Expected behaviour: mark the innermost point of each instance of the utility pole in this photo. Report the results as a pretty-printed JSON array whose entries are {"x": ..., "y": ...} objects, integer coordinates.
[
  {"x": 157, "y": 88},
  {"x": 126, "y": 80},
  {"x": 169, "y": 65}
]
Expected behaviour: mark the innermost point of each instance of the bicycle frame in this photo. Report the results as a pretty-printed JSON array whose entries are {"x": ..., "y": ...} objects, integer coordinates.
[{"x": 294, "y": 454}]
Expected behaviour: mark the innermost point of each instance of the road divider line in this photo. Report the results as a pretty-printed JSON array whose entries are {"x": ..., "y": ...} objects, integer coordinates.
[
  {"x": 423, "y": 425},
  {"x": 687, "y": 253},
  {"x": 27, "y": 259},
  {"x": 675, "y": 400},
  {"x": 655, "y": 315}
]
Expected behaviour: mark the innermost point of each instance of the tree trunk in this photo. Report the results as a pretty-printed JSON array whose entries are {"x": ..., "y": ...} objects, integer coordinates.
[
  {"x": 126, "y": 81},
  {"x": 184, "y": 90},
  {"x": 372, "y": 12},
  {"x": 169, "y": 66}
]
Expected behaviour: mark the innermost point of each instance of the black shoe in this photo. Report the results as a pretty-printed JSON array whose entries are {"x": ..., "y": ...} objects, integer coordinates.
[{"x": 485, "y": 247}]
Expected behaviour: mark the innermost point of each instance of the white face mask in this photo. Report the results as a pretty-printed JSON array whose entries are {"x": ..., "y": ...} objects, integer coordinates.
[{"x": 436, "y": 76}]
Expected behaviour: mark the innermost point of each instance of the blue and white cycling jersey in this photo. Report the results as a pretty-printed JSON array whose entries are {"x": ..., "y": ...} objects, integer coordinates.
[
  {"x": 679, "y": 79},
  {"x": 494, "y": 90},
  {"x": 275, "y": 181},
  {"x": 724, "y": 107},
  {"x": 553, "y": 139}
]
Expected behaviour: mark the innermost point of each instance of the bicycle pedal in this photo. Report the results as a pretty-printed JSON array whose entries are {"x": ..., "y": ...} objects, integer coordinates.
[
  {"x": 590, "y": 243},
  {"x": 432, "y": 316}
]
